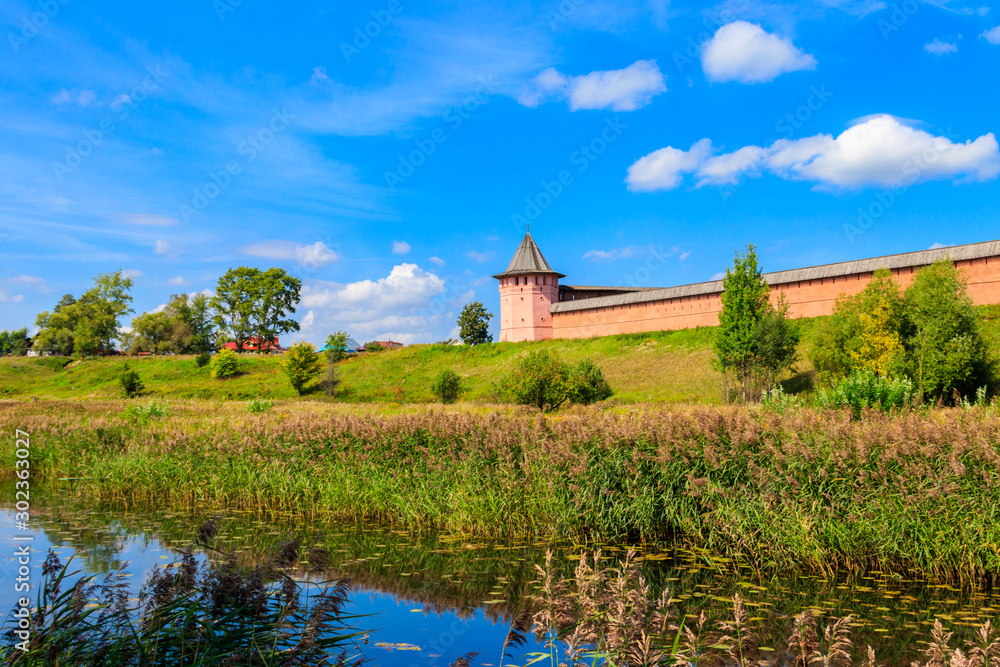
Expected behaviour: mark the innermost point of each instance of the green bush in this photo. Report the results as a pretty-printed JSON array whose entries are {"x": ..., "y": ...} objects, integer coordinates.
[
  {"x": 448, "y": 386},
  {"x": 142, "y": 413},
  {"x": 203, "y": 359},
  {"x": 545, "y": 382},
  {"x": 259, "y": 406},
  {"x": 863, "y": 389},
  {"x": 586, "y": 383},
  {"x": 225, "y": 363},
  {"x": 373, "y": 346},
  {"x": 301, "y": 364},
  {"x": 131, "y": 382}
]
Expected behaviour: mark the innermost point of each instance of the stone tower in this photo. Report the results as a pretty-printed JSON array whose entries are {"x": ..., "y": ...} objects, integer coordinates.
[{"x": 527, "y": 288}]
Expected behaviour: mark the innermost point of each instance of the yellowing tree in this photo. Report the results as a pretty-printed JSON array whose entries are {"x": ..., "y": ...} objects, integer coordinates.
[
  {"x": 879, "y": 340},
  {"x": 301, "y": 364}
]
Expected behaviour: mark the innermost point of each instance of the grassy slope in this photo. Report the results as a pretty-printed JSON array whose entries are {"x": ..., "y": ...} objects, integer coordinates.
[{"x": 658, "y": 366}]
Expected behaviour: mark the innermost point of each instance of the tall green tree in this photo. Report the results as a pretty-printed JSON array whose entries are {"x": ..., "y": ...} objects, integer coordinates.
[
  {"x": 14, "y": 343},
  {"x": 234, "y": 303},
  {"x": 947, "y": 350},
  {"x": 474, "y": 324},
  {"x": 91, "y": 323},
  {"x": 275, "y": 296},
  {"x": 196, "y": 314},
  {"x": 754, "y": 341}
]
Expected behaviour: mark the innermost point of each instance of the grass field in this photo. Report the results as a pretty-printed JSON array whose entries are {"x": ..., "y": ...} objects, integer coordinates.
[{"x": 672, "y": 366}]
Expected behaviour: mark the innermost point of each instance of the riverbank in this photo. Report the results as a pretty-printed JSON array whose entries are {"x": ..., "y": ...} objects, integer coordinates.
[{"x": 801, "y": 489}]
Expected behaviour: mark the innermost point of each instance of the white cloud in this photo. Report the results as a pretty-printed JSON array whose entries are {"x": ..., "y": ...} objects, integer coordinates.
[
  {"x": 437, "y": 261},
  {"x": 400, "y": 247},
  {"x": 177, "y": 282},
  {"x": 619, "y": 90},
  {"x": 664, "y": 169},
  {"x": 614, "y": 253},
  {"x": 147, "y": 220},
  {"x": 718, "y": 276},
  {"x": 35, "y": 281},
  {"x": 939, "y": 48},
  {"x": 165, "y": 248},
  {"x": 936, "y": 246},
  {"x": 744, "y": 52},
  {"x": 319, "y": 74},
  {"x": 5, "y": 297},
  {"x": 132, "y": 273},
  {"x": 992, "y": 35},
  {"x": 409, "y": 305},
  {"x": 481, "y": 257},
  {"x": 312, "y": 256},
  {"x": 880, "y": 151}
]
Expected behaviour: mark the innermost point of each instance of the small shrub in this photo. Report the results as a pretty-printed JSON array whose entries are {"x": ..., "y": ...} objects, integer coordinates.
[
  {"x": 863, "y": 389},
  {"x": 225, "y": 364},
  {"x": 203, "y": 359},
  {"x": 131, "y": 382},
  {"x": 776, "y": 399},
  {"x": 301, "y": 364},
  {"x": 142, "y": 413},
  {"x": 373, "y": 346},
  {"x": 448, "y": 386},
  {"x": 259, "y": 406},
  {"x": 586, "y": 383},
  {"x": 545, "y": 382}
]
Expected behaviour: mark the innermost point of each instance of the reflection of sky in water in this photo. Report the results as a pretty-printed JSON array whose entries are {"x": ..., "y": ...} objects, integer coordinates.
[{"x": 442, "y": 637}]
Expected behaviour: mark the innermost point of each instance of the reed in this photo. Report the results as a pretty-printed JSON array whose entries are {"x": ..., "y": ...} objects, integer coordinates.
[{"x": 796, "y": 488}]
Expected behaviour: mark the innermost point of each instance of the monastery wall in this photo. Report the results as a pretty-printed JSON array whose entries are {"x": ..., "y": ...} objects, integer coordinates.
[{"x": 806, "y": 298}]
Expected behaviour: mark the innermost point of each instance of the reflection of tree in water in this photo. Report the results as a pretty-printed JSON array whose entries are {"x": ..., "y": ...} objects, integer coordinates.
[{"x": 451, "y": 574}]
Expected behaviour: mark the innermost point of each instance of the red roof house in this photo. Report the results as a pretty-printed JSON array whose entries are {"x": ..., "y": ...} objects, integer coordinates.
[{"x": 251, "y": 345}]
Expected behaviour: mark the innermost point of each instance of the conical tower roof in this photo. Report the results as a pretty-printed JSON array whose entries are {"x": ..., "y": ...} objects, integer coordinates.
[{"x": 528, "y": 259}]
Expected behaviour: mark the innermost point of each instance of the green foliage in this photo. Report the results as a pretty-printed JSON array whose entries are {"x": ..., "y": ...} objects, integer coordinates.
[
  {"x": 948, "y": 351},
  {"x": 203, "y": 359},
  {"x": 866, "y": 331},
  {"x": 330, "y": 381},
  {"x": 542, "y": 380},
  {"x": 754, "y": 341},
  {"x": 131, "y": 382},
  {"x": 84, "y": 326},
  {"x": 373, "y": 346},
  {"x": 259, "y": 406},
  {"x": 159, "y": 332},
  {"x": 336, "y": 346},
  {"x": 14, "y": 343},
  {"x": 233, "y": 303},
  {"x": 225, "y": 364},
  {"x": 196, "y": 314},
  {"x": 863, "y": 389},
  {"x": 448, "y": 386},
  {"x": 276, "y": 293},
  {"x": 931, "y": 334},
  {"x": 142, "y": 413},
  {"x": 301, "y": 364},
  {"x": 586, "y": 383},
  {"x": 474, "y": 324},
  {"x": 776, "y": 399}
]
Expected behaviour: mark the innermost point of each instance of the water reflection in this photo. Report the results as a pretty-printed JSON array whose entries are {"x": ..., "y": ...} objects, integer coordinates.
[{"x": 448, "y": 595}]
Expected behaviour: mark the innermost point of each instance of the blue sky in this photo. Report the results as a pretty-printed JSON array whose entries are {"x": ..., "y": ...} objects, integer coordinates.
[{"x": 391, "y": 153}]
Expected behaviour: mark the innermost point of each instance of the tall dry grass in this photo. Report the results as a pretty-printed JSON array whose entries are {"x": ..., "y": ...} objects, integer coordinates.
[{"x": 803, "y": 488}]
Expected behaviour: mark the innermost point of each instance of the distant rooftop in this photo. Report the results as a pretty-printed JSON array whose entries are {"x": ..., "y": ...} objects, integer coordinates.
[{"x": 528, "y": 259}]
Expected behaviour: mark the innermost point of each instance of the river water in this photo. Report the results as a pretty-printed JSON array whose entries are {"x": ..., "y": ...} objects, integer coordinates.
[{"x": 428, "y": 599}]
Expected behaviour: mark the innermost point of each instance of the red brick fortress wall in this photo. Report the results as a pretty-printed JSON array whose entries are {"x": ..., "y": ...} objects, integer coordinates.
[{"x": 806, "y": 298}]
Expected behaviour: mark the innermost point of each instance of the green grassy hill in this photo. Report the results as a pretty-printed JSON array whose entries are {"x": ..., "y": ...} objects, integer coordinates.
[{"x": 657, "y": 366}]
